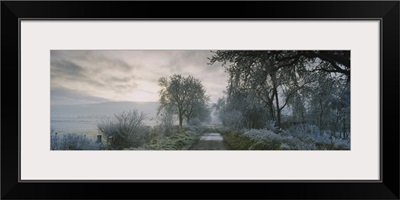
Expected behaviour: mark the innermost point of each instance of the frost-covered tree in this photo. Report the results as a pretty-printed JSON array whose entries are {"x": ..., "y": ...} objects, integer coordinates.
[
  {"x": 183, "y": 96},
  {"x": 274, "y": 82},
  {"x": 219, "y": 105},
  {"x": 285, "y": 80}
]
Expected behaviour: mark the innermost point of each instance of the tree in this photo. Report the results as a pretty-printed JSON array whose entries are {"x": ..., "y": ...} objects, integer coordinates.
[
  {"x": 277, "y": 78},
  {"x": 184, "y": 96},
  {"x": 328, "y": 61},
  {"x": 272, "y": 81},
  {"x": 219, "y": 105}
]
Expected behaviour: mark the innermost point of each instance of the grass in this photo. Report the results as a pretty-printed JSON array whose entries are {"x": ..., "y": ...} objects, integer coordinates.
[
  {"x": 188, "y": 138},
  {"x": 154, "y": 140},
  {"x": 183, "y": 140},
  {"x": 239, "y": 141},
  {"x": 209, "y": 145},
  {"x": 261, "y": 139},
  {"x": 71, "y": 141}
]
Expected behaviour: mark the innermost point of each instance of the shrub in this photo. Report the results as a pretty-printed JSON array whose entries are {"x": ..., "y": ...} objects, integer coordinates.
[
  {"x": 308, "y": 137},
  {"x": 194, "y": 122},
  {"x": 71, "y": 141},
  {"x": 270, "y": 125},
  {"x": 254, "y": 139},
  {"x": 166, "y": 123},
  {"x": 273, "y": 144},
  {"x": 263, "y": 139},
  {"x": 124, "y": 130},
  {"x": 232, "y": 119},
  {"x": 223, "y": 130},
  {"x": 304, "y": 137},
  {"x": 209, "y": 129},
  {"x": 179, "y": 141},
  {"x": 237, "y": 141}
]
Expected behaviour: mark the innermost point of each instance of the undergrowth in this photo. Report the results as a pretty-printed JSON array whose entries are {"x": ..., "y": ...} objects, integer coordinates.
[
  {"x": 179, "y": 141},
  {"x": 304, "y": 137}
]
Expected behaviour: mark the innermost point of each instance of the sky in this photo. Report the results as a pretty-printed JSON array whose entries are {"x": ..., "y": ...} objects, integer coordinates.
[{"x": 93, "y": 76}]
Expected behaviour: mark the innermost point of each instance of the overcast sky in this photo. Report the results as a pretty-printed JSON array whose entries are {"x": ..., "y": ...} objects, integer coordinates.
[{"x": 99, "y": 76}]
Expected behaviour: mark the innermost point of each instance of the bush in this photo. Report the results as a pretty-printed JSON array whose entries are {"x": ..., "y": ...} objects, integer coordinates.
[
  {"x": 309, "y": 137},
  {"x": 264, "y": 139},
  {"x": 237, "y": 141},
  {"x": 300, "y": 137},
  {"x": 232, "y": 119},
  {"x": 180, "y": 141},
  {"x": 166, "y": 123},
  {"x": 194, "y": 122},
  {"x": 196, "y": 129},
  {"x": 223, "y": 130},
  {"x": 71, "y": 141},
  {"x": 270, "y": 125},
  {"x": 254, "y": 140},
  {"x": 304, "y": 129},
  {"x": 273, "y": 144},
  {"x": 124, "y": 130}
]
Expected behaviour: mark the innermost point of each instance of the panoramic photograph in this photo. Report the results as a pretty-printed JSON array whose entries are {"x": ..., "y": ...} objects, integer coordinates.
[{"x": 144, "y": 100}]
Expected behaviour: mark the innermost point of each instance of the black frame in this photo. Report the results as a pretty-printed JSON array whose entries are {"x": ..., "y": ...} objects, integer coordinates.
[{"x": 386, "y": 11}]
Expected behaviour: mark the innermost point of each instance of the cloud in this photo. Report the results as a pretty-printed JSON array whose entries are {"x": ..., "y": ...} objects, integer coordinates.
[
  {"x": 65, "y": 96},
  {"x": 66, "y": 68},
  {"x": 90, "y": 72},
  {"x": 131, "y": 75}
]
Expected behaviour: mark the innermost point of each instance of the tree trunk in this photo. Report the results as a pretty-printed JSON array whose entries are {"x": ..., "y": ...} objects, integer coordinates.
[
  {"x": 278, "y": 110},
  {"x": 271, "y": 110},
  {"x": 344, "y": 127},
  {"x": 278, "y": 118},
  {"x": 320, "y": 122},
  {"x": 180, "y": 120},
  {"x": 337, "y": 123},
  {"x": 321, "y": 113}
]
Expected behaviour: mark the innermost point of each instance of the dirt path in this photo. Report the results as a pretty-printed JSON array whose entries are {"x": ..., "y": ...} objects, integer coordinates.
[{"x": 210, "y": 141}]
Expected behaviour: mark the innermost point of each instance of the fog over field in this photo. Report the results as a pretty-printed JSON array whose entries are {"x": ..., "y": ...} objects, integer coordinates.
[{"x": 85, "y": 117}]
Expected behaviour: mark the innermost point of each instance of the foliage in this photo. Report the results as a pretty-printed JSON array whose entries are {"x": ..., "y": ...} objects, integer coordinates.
[
  {"x": 179, "y": 141},
  {"x": 232, "y": 119},
  {"x": 270, "y": 125},
  {"x": 237, "y": 141},
  {"x": 71, "y": 141},
  {"x": 124, "y": 130},
  {"x": 302, "y": 137},
  {"x": 194, "y": 122},
  {"x": 166, "y": 122},
  {"x": 184, "y": 96},
  {"x": 287, "y": 87}
]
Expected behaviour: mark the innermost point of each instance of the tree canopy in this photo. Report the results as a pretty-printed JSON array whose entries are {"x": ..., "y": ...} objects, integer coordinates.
[
  {"x": 306, "y": 83},
  {"x": 183, "y": 96}
]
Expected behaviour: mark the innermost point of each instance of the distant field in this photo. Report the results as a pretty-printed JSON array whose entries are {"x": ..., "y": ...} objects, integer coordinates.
[
  {"x": 83, "y": 118},
  {"x": 82, "y": 125}
]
